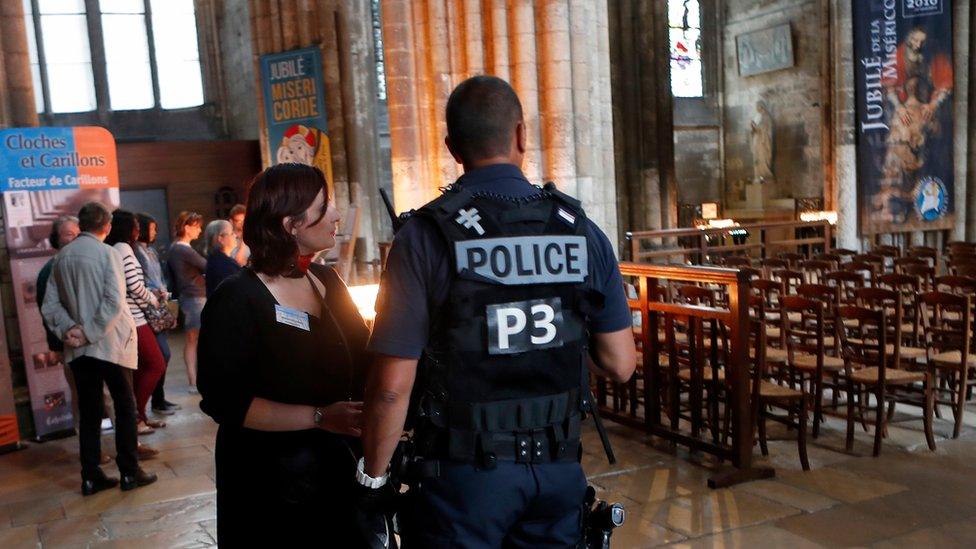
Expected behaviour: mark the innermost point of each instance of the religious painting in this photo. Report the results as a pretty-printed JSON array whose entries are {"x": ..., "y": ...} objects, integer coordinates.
[{"x": 904, "y": 87}]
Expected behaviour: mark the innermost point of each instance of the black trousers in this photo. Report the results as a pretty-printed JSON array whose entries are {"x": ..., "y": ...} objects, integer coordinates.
[{"x": 90, "y": 373}]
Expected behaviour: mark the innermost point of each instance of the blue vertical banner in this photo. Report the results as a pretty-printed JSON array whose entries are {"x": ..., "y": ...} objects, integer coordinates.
[
  {"x": 294, "y": 109},
  {"x": 903, "y": 78}
]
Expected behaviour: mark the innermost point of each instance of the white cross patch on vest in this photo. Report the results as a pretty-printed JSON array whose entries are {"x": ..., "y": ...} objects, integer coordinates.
[{"x": 469, "y": 220}]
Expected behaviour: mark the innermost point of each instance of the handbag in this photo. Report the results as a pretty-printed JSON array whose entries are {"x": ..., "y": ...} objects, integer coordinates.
[{"x": 160, "y": 318}]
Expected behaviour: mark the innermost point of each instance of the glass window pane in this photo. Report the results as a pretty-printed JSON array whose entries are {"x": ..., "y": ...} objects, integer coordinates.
[
  {"x": 121, "y": 6},
  {"x": 66, "y": 39},
  {"x": 177, "y": 53},
  {"x": 28, "y": 7},
  {"x": 71, "y": 87},
  {"x": 61, "y": 6},
  {"x": 677, "y": 10},
  {"x": 127, "y": 62},
  {"x": 686, "y": 65},
  {"x": 180, "y": 85}
]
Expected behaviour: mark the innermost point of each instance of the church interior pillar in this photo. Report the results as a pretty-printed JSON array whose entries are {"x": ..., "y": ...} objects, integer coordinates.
[
  {"x": 432, "y": 45},
  {"x": 17, "y": 106}
]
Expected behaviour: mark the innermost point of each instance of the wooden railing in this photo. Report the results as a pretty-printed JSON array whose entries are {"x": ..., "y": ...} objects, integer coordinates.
[
  {"x": 639, "y": 403},
  {"x": 692, "y": 244}
]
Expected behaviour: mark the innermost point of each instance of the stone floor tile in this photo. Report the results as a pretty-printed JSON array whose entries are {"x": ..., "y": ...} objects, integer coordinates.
[
  {"x": 21, "y": 537},
  {"x": 639, "y": 532},
  {"x": 954, "y": 534},
  {"x": 172, "y": 489},
  {"x": 790, "y": 495},
  {"x": 715, "y": 511},
  {"x": 754, "y": 536},
  {"x": 36, "y": 511},
  {"x": 210, "y": 526},
  {"x": 76, "y": 505},
  {"x": 840, "y": 485},
  {"x": 191, "y": 466},
  {"x": 188, "y": 536},
  {"x": 656, "y": 484},
  {"x": 4, "y": 517},
  {"x": 141, "y": 521},
  {"x": 79, "y": 531},
  {"x": 845, "y": 526}
]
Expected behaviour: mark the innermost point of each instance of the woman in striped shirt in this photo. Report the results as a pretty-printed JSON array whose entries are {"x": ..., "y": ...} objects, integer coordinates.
[{"x": 124, "y": 234}]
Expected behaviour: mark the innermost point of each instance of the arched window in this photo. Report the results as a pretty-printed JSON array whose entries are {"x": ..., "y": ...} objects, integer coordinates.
[
  {"x": 685, "y": 33},
  {"x": 113, "y": 55}
]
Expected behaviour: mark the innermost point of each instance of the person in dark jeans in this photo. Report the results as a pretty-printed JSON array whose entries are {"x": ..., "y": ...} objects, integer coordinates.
[
  {"x": 85, "y": 307},
  {"x": 152, "y": 268}
]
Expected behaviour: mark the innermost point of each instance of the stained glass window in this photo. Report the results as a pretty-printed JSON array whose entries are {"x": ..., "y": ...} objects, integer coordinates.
[
  {"x": 684, "y": 22},
  {"x": 378, "y": 43}
]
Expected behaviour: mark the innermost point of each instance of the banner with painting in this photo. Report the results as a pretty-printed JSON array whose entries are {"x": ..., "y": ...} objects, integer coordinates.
[
  {"x": 904, "y": 87},
  {"x": 46, "y": 173},
  {"x": 294, "y": 109}
]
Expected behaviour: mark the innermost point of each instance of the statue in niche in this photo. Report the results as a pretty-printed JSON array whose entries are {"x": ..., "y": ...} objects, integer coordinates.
[{"x": 762, "y": 144}]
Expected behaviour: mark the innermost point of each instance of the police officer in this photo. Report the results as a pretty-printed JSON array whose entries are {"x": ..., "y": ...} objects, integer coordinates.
[{"x": 502, "y": 292}]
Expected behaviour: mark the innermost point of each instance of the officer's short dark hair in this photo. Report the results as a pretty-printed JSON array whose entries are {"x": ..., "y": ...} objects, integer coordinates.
[
  {"x": 482, "y": 113},
  {"x": 283, "y": 190},
  {"x": 93, "y": 216}
]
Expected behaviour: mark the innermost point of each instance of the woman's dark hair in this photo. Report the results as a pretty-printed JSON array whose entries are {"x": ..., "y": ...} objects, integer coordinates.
[
  {"x": 145, "y": 220},
  {"x": 283, "y": 190},
  {"x": 123, "y": 225}
]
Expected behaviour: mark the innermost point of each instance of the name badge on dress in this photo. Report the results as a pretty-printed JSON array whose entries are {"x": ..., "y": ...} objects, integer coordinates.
[{"x": 291, "y": 317}]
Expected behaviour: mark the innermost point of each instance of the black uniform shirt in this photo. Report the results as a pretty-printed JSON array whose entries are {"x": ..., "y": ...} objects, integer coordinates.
[{"x": 418, "y": 273}]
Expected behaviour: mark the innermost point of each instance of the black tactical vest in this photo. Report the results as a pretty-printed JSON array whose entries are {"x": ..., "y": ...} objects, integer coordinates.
[{"x": 502, "y": 375}]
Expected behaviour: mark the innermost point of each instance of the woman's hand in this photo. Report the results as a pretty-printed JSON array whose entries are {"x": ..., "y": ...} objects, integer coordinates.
[{"x": 344, "y": 418}]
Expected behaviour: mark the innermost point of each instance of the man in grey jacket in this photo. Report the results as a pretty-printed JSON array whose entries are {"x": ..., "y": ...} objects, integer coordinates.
[{"x": 85, "y": 306}]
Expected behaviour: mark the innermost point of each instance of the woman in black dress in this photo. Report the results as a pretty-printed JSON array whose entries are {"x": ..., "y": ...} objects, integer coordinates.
[{"x": 282, "y": 352}]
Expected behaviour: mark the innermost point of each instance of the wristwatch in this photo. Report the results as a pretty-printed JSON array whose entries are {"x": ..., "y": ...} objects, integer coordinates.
[
  {"x": 366, "y": 480},
  {"x": 317, "y": 416}
]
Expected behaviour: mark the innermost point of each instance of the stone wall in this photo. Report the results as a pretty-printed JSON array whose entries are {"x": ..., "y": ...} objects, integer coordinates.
[
  {"x": 794, "y": 96},
  {"x": 237, "y": 62}
]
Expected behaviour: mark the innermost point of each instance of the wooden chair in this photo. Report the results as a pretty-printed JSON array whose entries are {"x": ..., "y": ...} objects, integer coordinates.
[
  {"x": 843, "y": 252},
  {"x": 887, "y": 251},
  {"x": 925, "y": 275},
  {"x": 806, "y": 356},
  {"x": 867, "y": 371},
  {"x": 947, "y": 324},
  {"x": 737, "y": 261},
  {"x": 955, "y": 284},
  {"x": 900, "y": 263},
  {"x": 834, "y": 259},
  {"x": 768, "y": 395},
  {"x": 908, "y": 286},
  {"x": 771, "y": 293},
  {"x": 867, "y": 271},
  {"x": 814, "y": 270},
  {"x": 954, "y": 263},
  {"x": 875, "y": 260},
  {"x": 792, "y": 258},
  {"x": 846, "y": 282},
  {"x": 769, "y": 265},
  {"x": 930, "y": 255},
  {"x": 789, "y": 278}
]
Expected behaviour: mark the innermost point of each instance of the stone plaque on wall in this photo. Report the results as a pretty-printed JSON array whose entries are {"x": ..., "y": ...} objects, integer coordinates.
[{"x": 765, "y": 50}]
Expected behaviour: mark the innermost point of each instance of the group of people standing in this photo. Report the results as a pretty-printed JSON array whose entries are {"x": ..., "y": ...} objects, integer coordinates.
[{"x": 104, "y": 305}]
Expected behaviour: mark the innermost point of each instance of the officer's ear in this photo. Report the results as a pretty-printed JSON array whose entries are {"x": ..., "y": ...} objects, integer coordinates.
[
  {"x": 447, "y": 141},
  {"x": 520, "y": 136}
]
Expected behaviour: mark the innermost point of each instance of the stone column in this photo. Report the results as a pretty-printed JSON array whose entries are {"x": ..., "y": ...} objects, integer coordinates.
[
  {"x": 643, "y": 117},
  {"x": 17, "y": 106},
  {"x": 342, "y": 30},
  {"x": 845, "y": 154},
  {"x": 555, "y": 54},
  {"x": 960, "y": 119}
]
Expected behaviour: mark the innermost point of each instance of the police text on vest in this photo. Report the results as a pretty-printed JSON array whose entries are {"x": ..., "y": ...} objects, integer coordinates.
[{"x": 517, "y": 260}]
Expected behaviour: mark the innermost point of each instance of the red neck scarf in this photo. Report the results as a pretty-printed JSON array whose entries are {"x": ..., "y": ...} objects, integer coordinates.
[{"x": 302, "y": 262}]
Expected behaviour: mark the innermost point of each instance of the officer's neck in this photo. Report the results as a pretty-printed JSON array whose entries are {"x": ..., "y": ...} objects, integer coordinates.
[{"x": 495, "y": 160}]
